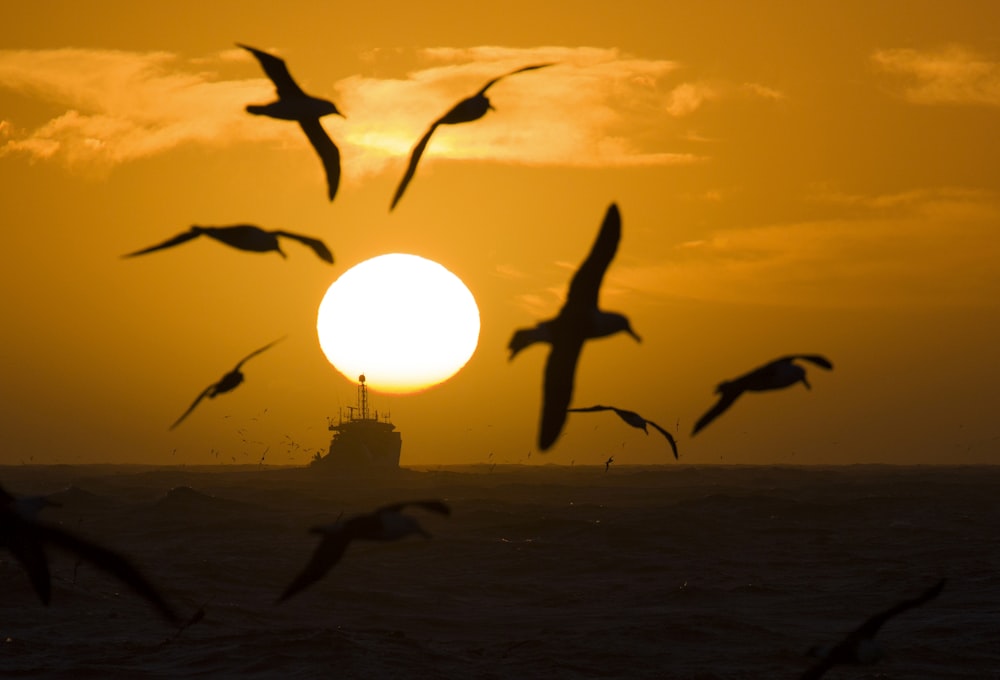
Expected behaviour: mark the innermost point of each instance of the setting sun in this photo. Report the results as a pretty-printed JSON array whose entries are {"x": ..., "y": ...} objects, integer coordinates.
[{"x": 406, "y": 322}]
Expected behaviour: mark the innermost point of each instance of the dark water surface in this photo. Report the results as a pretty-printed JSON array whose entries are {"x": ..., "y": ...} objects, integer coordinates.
[{"x": 540, "y": 572}]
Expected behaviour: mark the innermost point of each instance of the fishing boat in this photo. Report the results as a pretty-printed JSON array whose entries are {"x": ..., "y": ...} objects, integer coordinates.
[{"x": 362, "y": 441}]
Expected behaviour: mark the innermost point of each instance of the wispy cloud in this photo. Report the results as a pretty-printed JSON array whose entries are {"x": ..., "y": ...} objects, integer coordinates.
[
  {"x": 594, "y": 107},
  {"x": 953, "y": 75},
  {"x": 914, "y": 248}
]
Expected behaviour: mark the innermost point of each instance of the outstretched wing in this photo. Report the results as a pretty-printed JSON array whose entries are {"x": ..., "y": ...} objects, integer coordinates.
[
  {"x": 256, "y": 352},
  {"x": 586, "y": 283},
  {"x": 277, "y": 71},
  {"x": 725, "y": 401},
  {"x": 520, "y": 70},
  {"x": 415, "y": 155},
  {"x": 670, "y": 437},
  {"x": 433, "y": 505},
  {"x": 872, "y": 625},
  {"x": 24, "y": 543},
  {"x": 197, "y": 401},
  {"x": 817, "y": 359},
  {"x": 169, "y": 243},
  {"x": 317, "y": 246},
  {"x": 328, "y": 153},
  {"x": 326, "y": 555},
  {"x": 557, "y": 388},
  {"x": 583, "y": 409}
]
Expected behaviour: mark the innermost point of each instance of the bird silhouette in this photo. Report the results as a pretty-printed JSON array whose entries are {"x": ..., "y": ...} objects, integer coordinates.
[
  {"x": 387, "y": 523},
  {"x": 469, "y": 109},
  {"x": 608, "y": 462},
  {"x": 859, "y": 646},
  {"x": 227, "y": 383},
  {"x": 773, "y": 376},
  {"x": 306, "y": 110},
  {"x": 244, "y": 237},
  {"x": 26, "y": 538},
  {"x": 579, "y": 320},
  {"x": 633, "y": 419}
]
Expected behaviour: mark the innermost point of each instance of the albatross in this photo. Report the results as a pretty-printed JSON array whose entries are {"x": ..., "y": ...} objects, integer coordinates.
[
  {"x": 387, "y": 523},
  {"x": 579, "y": 320},
  {"x": 247, "y": 237},
  {"x": 633, "y": 419}
]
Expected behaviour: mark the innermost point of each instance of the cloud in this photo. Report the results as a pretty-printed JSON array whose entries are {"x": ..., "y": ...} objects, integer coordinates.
[
  {"x": 594, "y": 108},
  {"x": 923, "y": 247},
  {"x": 953, "y": 75}
]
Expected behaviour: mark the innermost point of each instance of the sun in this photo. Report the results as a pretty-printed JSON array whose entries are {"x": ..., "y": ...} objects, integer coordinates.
[{"x": 403, "y": 321}]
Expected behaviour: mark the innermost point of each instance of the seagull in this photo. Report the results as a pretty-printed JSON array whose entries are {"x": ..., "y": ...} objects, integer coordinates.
[
  {"x": 578, "y": 320},
  {"x": 633, "y": 419},
  {"x": 244, "y": 237},
  {"x": 608, "y": 462},
  {"x": 859, "y": 646},
  {"x": 775, "y": 375},
  {"x": 469, "y": 109},
  {"x": 26, "y": 539},
  {"x": 294, "y": 104},
  {"x": 227, "y": 383},
  {"x": 388, "y": 523}
]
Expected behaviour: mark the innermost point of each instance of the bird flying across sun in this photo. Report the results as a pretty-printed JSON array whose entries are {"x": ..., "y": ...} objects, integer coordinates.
[
  {"x": 859, "y": 646},
  {"x": 779, "y": 373},
  {"x": 243, "y": 237},
  {"x": 469, "y": 109},
  {"x": 388, "y": 523},
  {"x": 633, "y": 419},
  {"x": 26, "y": 539},
  {"x": 306, "y": 110},
  {"x": 227, "y": 383},
  {"x": 579, "y": 320}
]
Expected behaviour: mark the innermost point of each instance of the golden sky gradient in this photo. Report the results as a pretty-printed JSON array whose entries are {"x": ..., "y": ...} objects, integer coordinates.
[{"x": 814, "y": 179}]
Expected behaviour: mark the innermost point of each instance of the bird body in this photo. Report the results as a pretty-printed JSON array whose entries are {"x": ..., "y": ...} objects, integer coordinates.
[
  {"x": 633, "y": 419},
  {"x": 579, "y": 320},
  {"x": 775, "y": 375},
  {"x": 246, "y": 237},
  {"x": 294, "y": 104}
]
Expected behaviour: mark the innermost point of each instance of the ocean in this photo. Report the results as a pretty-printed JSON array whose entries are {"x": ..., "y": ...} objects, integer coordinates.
[{"x": 672, "y": 571}]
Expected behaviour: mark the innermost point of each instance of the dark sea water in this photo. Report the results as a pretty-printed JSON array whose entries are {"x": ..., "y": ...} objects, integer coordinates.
[{"x": 540, "y": 572}]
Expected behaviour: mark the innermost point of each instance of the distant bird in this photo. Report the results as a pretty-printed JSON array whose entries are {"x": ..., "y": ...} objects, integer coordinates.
[
  {"x": 244, "y": 237},
  {"x": 608, "y": 462},
  {"x": 385, "y": 524},
  {"x": 294, "y": 104},
  {"x": 633, "y": 419},
  {"x": 469, "y": 109},
  {"x": 775, "y": 375},
  {"x": 859, "y": 646},
  {"x": 579, "y": 320},
  {"x": 26, "y": 539},
  {"x": 227, "y": 383}
]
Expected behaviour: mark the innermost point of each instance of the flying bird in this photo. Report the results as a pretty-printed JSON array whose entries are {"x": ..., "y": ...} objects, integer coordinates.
[
  {"x": 244, "y": 237},
  {"x": 608, "y": 462},
  {"x": 469, "y": 109},
  {"x": 294, "y": 104},
  {"x": 579, "y": 320},
  {"x": 385, "y": 524},
  {"x": 227, "y": 383},
  {"x": 773, "y": 376},
  {"x": 26, "y": 538},
  {"x": 633, "y": 419},
  {"x": 859, "y": 646}
]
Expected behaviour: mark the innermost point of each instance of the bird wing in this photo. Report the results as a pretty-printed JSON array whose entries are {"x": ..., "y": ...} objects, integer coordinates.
[
  {"x": 415, "y": 155},
  {"x": 328, "y": 153},
  {"x": 817, "y": 359},
  {"x": 201, "y": 396},
  {"x": 111, "y": 562},
  {"x": 557, "y": 389},
  {"x": 256, "y": 352},
  {"x": 520, "y": 70},
  {"x": 725, "y": 401},
  {"x": 818, "y": 670},
  {"x": 871, "y": 626},
  {"x": 326, "y": 555},
  {"x": 582, "y": 409},
  {"x": 277, "y": 71},
  {"x": 432, "y": 505},
  {"x": 670, "y": 437},
  {"x": 176, "y": 240},
  {"x": 586, "y": 283},
  {"x": 23, "y": 542},
  {"x": 317, "y": 246}
]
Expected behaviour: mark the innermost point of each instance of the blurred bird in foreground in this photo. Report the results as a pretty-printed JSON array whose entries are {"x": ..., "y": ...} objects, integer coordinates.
[
  {"x": 579, "y": 320},
  {"x": 244, "y": 237},
  {"x": 26, "y": 538},
  {"x": 385, "y": 524},
  {"x": 779, "y": 373},
  {"x": 633, "y": 419},
  {"x": 294, "y": 104},
  {"x": 227, "y": 383},
  {"x": 469, "y": 109},
  {"x": 859, "y": 646}
]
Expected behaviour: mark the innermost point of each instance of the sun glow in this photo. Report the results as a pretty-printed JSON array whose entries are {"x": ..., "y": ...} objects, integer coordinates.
[{"x": 405, "y": 322}]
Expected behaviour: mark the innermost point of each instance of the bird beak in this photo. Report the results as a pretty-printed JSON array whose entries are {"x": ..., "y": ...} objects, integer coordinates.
[
  {"x": 633, "y": 334},
  {"x": 806, "y": 383}
]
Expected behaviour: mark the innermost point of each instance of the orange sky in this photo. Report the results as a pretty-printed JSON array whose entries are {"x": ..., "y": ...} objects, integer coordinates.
[{"x": 815, "y": 180}]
